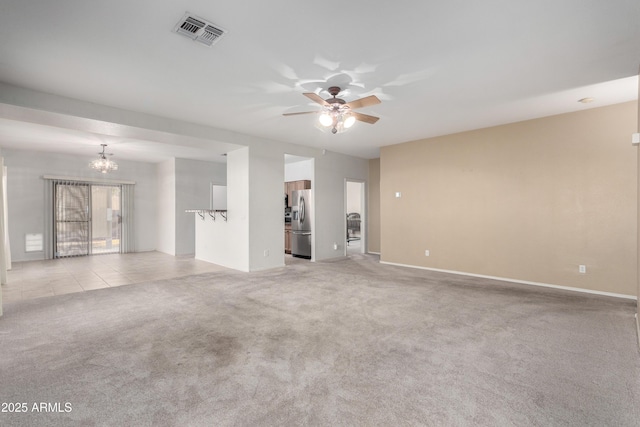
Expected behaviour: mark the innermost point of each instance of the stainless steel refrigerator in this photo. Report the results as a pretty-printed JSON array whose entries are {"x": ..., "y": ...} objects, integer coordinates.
[{"x": 301, "y": 223}]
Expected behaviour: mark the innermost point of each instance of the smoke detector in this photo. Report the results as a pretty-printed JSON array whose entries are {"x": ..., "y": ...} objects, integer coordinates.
[{"x": 199, "y": 30}]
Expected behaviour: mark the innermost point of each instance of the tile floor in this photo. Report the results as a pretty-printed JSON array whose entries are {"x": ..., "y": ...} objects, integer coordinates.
[{"x": 35, "y": 279}]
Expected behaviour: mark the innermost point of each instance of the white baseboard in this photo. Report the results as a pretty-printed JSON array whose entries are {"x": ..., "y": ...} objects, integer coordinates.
[
  {"x": 638, "y": 329},
  {"x": 374, "y": 253},
  {"x": 523, "y": 282}
]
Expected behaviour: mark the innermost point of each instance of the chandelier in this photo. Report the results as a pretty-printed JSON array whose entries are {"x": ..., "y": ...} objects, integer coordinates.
[{"x": 102, "y": 164}]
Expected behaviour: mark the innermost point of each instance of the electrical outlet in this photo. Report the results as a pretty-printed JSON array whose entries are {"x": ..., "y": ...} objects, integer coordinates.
[
  {"x": 426, "y": 252},
  {"x": 266, "y": 252},
  {"x": 582, "y": 269},
  {"x": 398, "y": 194},
  {"x": 335, "y": 246}
]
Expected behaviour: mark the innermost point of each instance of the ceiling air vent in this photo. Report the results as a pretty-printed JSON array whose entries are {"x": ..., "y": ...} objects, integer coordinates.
[{"x": 199, "y": 29}]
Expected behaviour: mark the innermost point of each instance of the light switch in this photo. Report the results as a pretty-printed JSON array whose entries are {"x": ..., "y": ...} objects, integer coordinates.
[{"x": 398, "y": 194}]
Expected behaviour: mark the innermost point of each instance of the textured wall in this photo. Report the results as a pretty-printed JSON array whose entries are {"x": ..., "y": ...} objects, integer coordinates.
[
  {"x": 166, "y": 178},
  {"x": 373, "y": 225},
  {"x": 193, "y": 185},
  {"x": 26, "y": 194},
  {"x": 529, "y": 201}
]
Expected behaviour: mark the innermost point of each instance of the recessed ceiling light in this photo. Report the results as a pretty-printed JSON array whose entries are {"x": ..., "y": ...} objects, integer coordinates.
[{"x": 586, "y": 100}]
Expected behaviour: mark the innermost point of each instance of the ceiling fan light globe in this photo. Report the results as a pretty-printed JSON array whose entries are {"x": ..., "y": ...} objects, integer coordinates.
[
  {"x": 325, "y": 119},
  {"x": 349, "y": 121}
]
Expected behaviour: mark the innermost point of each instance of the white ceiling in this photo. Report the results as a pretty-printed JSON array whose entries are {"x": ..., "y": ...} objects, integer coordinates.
[{"x": 438, "y": 67}]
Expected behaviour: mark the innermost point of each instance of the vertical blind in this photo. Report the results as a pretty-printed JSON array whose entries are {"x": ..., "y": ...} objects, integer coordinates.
[
  {"x": 67, "y": 217},
  {"x": 72, "y": 219},
  {"x": 127, "y": 243}
]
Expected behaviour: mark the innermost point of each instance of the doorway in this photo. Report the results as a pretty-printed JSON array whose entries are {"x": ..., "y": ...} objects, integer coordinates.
[
  {"x": 105, "y": 219},
  {"x": 87, "y": 219},
  {"x": 299, "y": 234},
  {"x": 355, "y": 236}
]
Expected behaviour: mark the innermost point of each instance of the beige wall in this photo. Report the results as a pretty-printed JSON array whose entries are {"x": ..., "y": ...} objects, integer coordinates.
[
  {"x": 527, "y": 201},
  {"x": 373, "y": 223}
]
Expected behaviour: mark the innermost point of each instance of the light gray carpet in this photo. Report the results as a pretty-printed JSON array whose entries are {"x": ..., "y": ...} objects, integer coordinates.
[{"x": 339, "y": 343}]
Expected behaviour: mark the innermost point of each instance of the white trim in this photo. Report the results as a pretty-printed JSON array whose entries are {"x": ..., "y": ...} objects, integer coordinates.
[
  {"x": 364, "y": 212},
  {"x": 374, "y": 253},
  {"x": 638, "y": 329},
  {"x": 523, "y": 282},
  {"x": 83, "y": 179},
  {"x": 3, "y": 258}
]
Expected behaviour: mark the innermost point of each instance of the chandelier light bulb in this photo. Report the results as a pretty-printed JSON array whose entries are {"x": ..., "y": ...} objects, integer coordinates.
[{"x": 102, "y": 164}]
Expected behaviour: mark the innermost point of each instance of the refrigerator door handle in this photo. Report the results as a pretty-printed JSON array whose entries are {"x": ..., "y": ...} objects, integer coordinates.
[
  {"x": 302, "y": 210},
  {"x": 301, "y": 233}
]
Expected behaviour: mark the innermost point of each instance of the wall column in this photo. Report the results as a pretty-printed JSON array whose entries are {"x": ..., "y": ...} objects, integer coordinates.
[
  {"x": 638, "y": 213},
  {"x": 3, "y": 238}
]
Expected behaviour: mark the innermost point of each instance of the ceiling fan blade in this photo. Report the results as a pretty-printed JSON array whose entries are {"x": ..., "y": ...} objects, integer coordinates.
[
  {"x": 316, "y": 98},
  {"x": 363, "y": 102},
  {"x": 295, "y": 114},
  {"x": 365, "y": 117}
]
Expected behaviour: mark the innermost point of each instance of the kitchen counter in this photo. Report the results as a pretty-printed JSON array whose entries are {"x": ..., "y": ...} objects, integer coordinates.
[{"x": 212, "y": 213}]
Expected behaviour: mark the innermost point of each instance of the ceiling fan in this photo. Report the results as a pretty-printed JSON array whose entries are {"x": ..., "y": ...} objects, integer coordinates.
[{"x": 338, "y": 113}]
